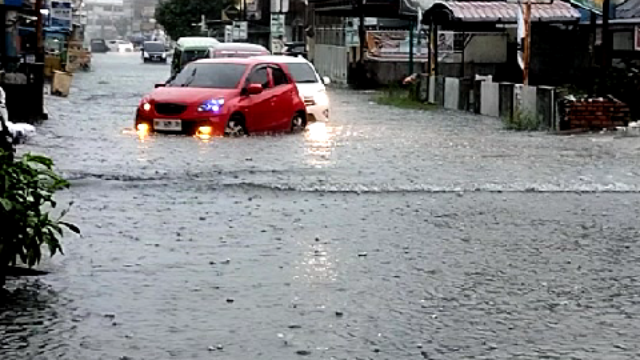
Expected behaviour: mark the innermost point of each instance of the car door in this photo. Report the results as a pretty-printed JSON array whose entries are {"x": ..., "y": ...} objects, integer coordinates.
[
  {"x": 284, "y": 91},
  {"x": 259, "y": 108}
]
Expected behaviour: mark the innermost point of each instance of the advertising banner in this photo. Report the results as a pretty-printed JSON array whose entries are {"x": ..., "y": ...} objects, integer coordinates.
[
  {"x": 394, "y": 45},
  {"x": 61, "y": 14}
]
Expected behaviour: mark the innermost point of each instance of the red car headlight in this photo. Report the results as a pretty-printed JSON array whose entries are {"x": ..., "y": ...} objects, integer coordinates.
[{"x": 145, "y": 104}]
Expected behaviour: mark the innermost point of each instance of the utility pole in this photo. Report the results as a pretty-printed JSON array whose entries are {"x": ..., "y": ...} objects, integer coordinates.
[
  {"x": 39, "y": 33},
  {"x": 527, "y": 41}
]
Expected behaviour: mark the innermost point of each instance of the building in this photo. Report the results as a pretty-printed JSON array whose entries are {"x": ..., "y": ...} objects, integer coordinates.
[{"x": 105, "y": 19}]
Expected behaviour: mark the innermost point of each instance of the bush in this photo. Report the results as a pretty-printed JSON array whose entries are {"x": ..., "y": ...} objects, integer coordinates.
[
  {"x": 522, "y": 121},
  {"x": 27, "y": 186}
]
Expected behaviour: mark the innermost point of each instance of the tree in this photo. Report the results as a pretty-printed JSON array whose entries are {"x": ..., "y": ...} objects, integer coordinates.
[
  {"x": 122, "y": 26},
  {"x": 178, "y": 16}
]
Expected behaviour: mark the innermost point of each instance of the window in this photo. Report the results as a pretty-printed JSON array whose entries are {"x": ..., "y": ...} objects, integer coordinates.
[
  {"x": 193, "y": 55},
  {"x": 214, "y": 76},
  {"x": 153, "y": 47},
  {"x": 302, "y": 73},
  {"x": 279, "y": 77},
  {"x": 260, "y": 76}
]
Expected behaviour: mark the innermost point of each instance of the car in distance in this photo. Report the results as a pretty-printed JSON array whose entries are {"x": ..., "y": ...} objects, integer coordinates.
[
  {"x": 99, "y": 46},
  {"x": 296, "y": 49},
  {"x": 153, "y": 51},
  {"x": 120, "y": 46},
  {"x": 310, "y": 85},
  {"x": 229, "y": 96}
]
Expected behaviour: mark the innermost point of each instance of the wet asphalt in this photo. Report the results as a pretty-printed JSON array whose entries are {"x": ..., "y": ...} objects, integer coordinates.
[{"x": 385, "y": 234}]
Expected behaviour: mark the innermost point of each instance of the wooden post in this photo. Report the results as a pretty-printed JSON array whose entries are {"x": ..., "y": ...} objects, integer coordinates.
[
  {"x": 527, "y": 41},
  {"x": 361, "y": 32},
  {"x": 606, "y": 36},
  {"x": 592, "y": 38},
  {"x": 435, "y": 49},
  {"x": 411, "y": 24},
  {"x": 430, "y": 54},
  {"x": 464, "y": 46}
]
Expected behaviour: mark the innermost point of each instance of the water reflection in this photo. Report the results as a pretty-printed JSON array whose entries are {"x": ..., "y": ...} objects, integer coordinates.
[
  {"x": 318, "y": 265},
  {"x": 320, "y": 141},
  {"x": 32, "y": 320}
]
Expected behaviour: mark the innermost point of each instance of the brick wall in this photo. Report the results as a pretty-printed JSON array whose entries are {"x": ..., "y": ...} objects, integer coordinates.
[{"x": 594, "y": 113}]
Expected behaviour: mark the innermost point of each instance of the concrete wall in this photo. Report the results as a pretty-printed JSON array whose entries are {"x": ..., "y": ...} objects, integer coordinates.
[
  {"x": 490, "y": 99},
  {"x": 503, "y": 100},
  {"x": 486, "y": 49},
  {"x": 389, "y": 72},
  {"x": 451, "y": 93},
  {"x": 332, "y": 61}
]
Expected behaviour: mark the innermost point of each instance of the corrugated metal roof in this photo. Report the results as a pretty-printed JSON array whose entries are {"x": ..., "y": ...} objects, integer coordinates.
[
  {"x": 505, "y": 12},
  {"x": 628, "y": 10}
]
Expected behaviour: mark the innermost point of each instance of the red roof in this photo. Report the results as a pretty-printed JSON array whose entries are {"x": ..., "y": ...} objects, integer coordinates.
[{"x": 505, "y": 12}]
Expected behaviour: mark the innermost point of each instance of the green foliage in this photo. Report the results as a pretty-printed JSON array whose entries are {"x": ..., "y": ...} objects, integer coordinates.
[
  {"x": 178, "y": 16},
  {"x": 522, "y": 121},
  {"x": 27, "y": 186},
  {"x": 404, "y": 98}
]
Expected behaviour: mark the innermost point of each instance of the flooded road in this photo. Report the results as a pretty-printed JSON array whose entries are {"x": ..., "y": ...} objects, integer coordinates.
[{"x": 386, "y": 234}]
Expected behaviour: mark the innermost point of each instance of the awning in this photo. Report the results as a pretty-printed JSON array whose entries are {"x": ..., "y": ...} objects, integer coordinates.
[{"x": 501, "y": 11}]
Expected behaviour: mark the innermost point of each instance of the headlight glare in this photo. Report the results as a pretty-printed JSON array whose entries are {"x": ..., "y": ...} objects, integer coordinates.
[{"x": 213, "y": 105}]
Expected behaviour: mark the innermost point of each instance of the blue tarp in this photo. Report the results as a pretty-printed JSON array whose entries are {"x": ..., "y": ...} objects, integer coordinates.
[{"x": 12, "y": 3}]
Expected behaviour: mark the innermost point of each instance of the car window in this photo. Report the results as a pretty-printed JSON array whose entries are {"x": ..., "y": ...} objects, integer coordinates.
[
  {"x": 193, "y": 55},
  {"x": 154, "y": 47},
  {"x": 279, "y": 77},
  {"x": 215, "y": 76},
  {"x": 259, "y": 76},
  {"x": 302, "y": 73}
]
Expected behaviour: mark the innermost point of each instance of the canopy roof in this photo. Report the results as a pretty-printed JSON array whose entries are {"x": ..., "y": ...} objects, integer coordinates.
[{"x": 504, "y": 12}]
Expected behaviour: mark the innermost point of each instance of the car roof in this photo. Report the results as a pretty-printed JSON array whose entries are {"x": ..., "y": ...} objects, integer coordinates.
[
  {"x": 240, "y": 46},
  {"x": 245, "y": 61},
  {"x": 203, "y": 42},
  {"x": 281, "y": 59}
]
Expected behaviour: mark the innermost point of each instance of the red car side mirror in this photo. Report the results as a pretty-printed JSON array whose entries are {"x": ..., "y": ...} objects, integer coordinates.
[{"x": 254, "y": 89}]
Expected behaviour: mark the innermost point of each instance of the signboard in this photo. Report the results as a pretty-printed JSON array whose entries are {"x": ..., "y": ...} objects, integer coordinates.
[
  {"x": 61, "y": 14},
  {"x": 394, "y": 45},
  {"x": 446, "y": 42},
  {"x": 277, "y": 25},
  {"x": 252, "y": 5},
  {"x": 351, "y": 32},
  {"x": 279, "y": 6},
  {"x": 230, "y": 13},
  {"x": 228, "y": 33},
  {"x": 240, "y": 30},
  {"x": 253, "y": 10}
]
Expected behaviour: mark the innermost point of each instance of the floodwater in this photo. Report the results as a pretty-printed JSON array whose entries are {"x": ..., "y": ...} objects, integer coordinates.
[{"x": 386, "y": 234}]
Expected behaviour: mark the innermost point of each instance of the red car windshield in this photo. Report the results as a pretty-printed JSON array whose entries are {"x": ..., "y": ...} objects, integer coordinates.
[{"x": 215, "y": 76}]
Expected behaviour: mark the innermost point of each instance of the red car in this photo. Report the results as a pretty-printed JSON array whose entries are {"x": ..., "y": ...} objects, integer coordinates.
[{"x": 229, "y": 96}]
